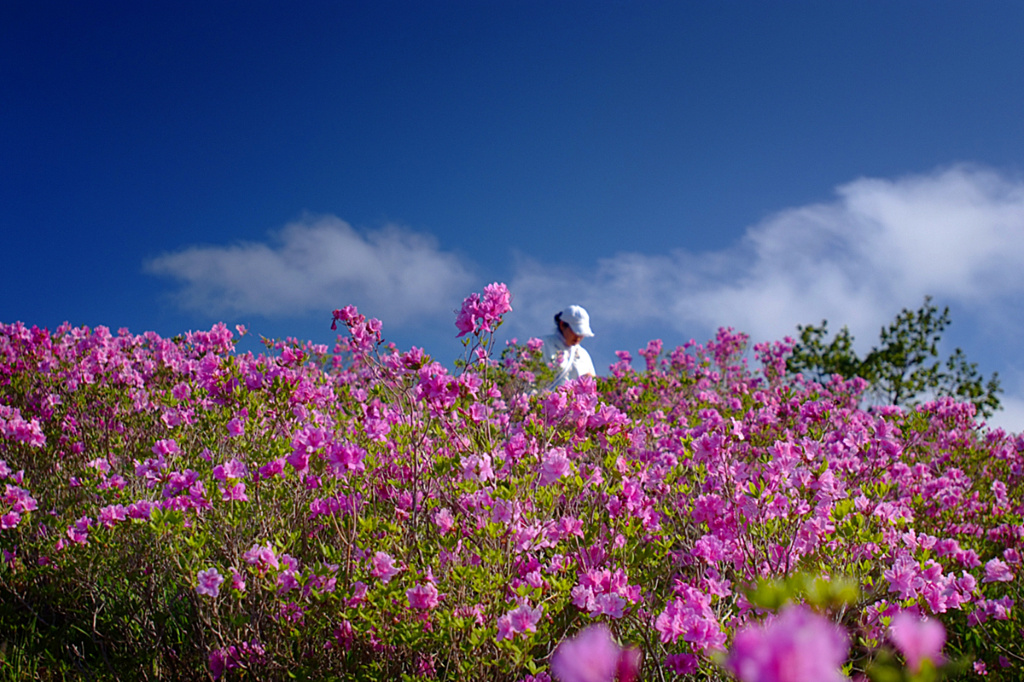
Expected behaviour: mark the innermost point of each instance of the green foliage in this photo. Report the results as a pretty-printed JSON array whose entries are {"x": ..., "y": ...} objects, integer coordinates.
[
  {"x": 904, "y": 368},
  {"x": 522, "y": 370},
  {"x": 807, "y": 588},
  {"x": 886, "y": 667}
]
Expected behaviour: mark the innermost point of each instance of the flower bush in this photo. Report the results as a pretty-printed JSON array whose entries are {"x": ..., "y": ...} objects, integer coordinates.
[{"x": 174, "y": 509}]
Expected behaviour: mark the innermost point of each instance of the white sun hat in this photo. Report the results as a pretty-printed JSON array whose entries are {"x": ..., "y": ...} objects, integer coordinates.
[{"x": 577, "y": 318}]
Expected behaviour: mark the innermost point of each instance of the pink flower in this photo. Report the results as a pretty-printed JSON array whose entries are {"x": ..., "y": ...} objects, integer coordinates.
[
  {"x": 593, "y": 656},
  {"x": 79, "y": 533},
  {"x": 272, "y": 468},
  {"x": 347, "y": 314},
  {"x": 261, "y": 557},
  {"x": 19, "y": 499},
  {"x": 798, "y": 645},
  {"x": 465, "y": 321},
  {"x": 444, "y": 520},
  {"x": 346, "y": 457},
  {"x": 209, "y": 582},
  {"x": 236, "y": 427},
  {"x": 299, "y": 461},
  {"x": 232, "y": 469},
  {"x": 522, "y": 619},
  {"x": 996, "y": 570},
  {"x": 111, "y": 514},
  {"x": 690, "y": 616},
  {"x": 359, "y": 590},
  {"x": 235, "y": 493},
  {"x": 555, "y": 466},
  {"x": 904, "y": 577},
  {"x": 100, "y": 464},
  {"x": 140, "y": 510},
  {"x": 651, "y": 353},
  {"x": 166, "y": 447},
  {"x": 628, "y": 667},
  {"x": 222, "y": 660},
  {"x": 610, "y": 605},
  {"x": 383, "y": 567},
  {"x": 422, "y": 596},
  {"x": 682, "y": 664},
  {"x": 483, "y": 314},
  {"x": 918, "y": 639},
  {"x": 504, "y": 511},
  {"x": 710, "y": 548}
]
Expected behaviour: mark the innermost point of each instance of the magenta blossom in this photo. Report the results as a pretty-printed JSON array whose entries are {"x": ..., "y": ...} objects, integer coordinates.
[
  {"x": 444, "y": 520},
  {"x": 209, "y": 582},
  {"x": 237, "y": 581},
  {"x": 917, "y": 638},
  {"x": 234, "y": 493},
  {"x": 230, "y": 470},
  {"x": 19, "y": 499},
  {"x": 166, "y": 447},
  {"x": 79, "y": 533},
  {"x": 346, "y": 457},
  {"x": 262, "y": 557},
  {"x": 383, "y": 567},
  {"x": 422, "y": 596},
  {"x": 798, "y": 645},
  {"x": 691, "y": 617},
  {"x": 996, "y": 570},
  {"x": 236, "y": 427},
  {"x": 520, "y": 620},
  {"x": 111, "y": 514},
  {"x": 555, "y": 466},
  {"x": 483, "y": 313},
  {"x": 593, "y": 656}
]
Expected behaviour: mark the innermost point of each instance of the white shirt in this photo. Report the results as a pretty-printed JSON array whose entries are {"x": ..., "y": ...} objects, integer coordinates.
[{"x": 569, "y": 362}]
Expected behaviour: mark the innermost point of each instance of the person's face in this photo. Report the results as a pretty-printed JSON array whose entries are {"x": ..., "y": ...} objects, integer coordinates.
[{"x": 571, "y": 337}]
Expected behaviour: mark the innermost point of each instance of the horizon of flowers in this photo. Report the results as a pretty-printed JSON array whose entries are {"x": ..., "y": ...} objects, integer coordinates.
[{"x": 366, "y": 508}]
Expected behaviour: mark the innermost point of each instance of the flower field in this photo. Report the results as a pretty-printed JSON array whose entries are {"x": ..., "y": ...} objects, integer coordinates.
[{"x": 176, "y": 510}]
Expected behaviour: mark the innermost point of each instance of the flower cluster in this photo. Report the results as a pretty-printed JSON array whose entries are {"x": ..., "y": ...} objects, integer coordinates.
[
  {"x": 483, "y": 313},
  {"x": 366, "y": 511}
]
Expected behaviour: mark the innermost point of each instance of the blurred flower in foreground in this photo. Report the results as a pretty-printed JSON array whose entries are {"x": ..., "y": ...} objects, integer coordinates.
[
  {"x": 798, "y": 645},
  {"x": 917, "y": 638},
  {"x": 593, "y": 656}
]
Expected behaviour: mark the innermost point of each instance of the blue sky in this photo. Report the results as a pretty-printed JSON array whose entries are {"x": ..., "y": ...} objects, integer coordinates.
[{"x": 672, "y": 166}]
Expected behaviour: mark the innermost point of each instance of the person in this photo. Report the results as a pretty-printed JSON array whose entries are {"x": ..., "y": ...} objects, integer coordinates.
[{"x": 562, "y": 350}]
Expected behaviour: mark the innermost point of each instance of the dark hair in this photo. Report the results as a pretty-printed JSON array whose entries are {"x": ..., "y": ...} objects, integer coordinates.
[{"x": 558, "y": 321}]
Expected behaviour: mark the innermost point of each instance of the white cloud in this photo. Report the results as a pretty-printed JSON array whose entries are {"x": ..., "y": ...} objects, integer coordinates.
[
  {"x": 318, "y": 264},
  {"x": 1011, "y": 417},
  {"x": 880, "y": 246}
]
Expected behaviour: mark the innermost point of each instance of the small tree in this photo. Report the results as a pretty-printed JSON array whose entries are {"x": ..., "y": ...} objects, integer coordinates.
[{"x": 904, "y": 368}]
